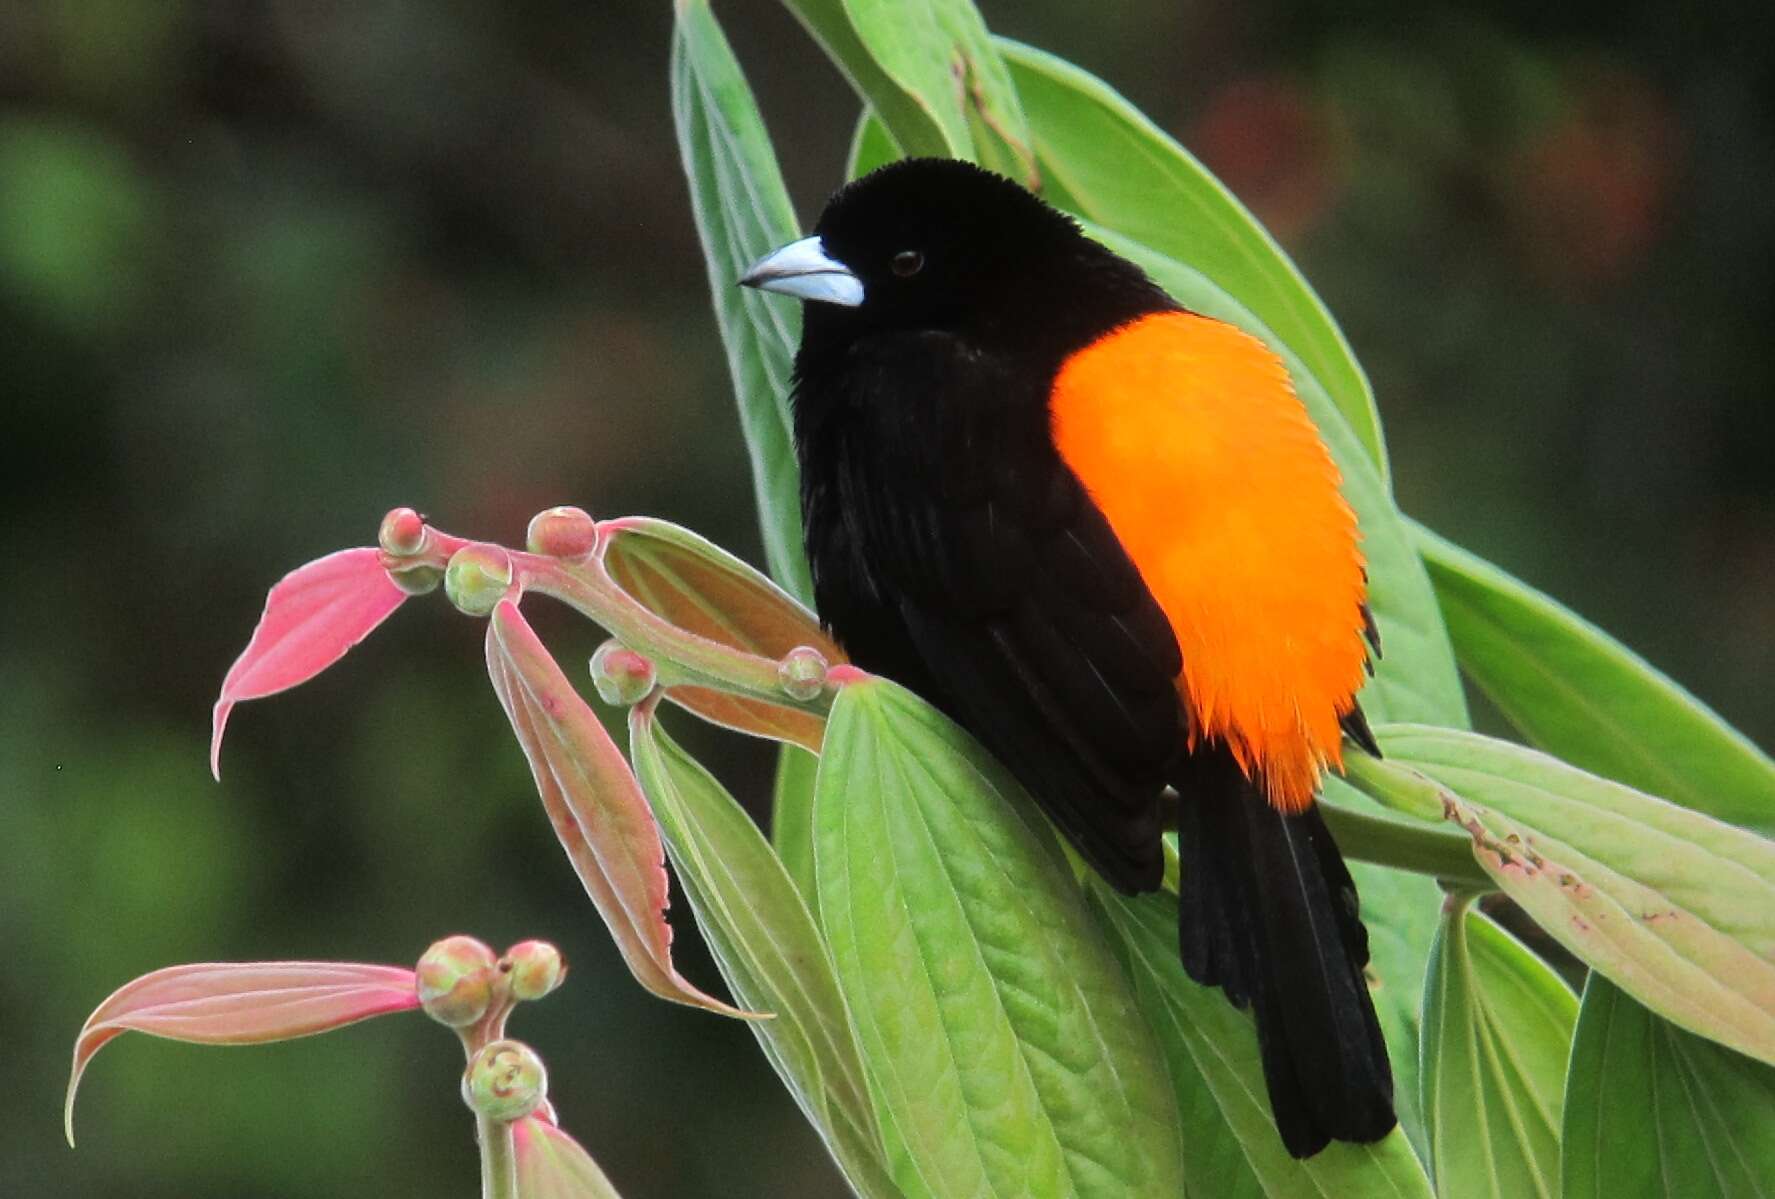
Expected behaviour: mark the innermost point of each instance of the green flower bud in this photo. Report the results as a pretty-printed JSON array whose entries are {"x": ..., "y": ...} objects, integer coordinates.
[
  {"x": 563, "y": 532},
  {"x": 505, "y": 1081},
  {"x": 456, "y": 981},
  {"x": 419, "y": 579},
  {"x": 622, "y": 676},
  {"x": 402, "y": 533},
  {"x": 533, "y": 969},
  {"x": 802, "y": 672},
  {"x": 477, "y": 578}
]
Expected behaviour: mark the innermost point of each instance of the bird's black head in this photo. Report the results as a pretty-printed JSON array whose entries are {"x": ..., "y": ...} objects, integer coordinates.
[{"x": 937, "y": 244}]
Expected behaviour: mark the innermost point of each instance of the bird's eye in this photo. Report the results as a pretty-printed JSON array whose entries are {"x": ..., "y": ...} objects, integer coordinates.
[{"x": 908, "y": 263}]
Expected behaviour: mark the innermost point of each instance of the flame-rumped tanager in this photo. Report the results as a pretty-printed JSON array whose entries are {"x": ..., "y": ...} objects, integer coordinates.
[{"x": 1101, "y": 533}]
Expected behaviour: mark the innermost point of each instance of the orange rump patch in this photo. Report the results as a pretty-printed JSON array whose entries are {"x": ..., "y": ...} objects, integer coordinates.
[{"x": 1187, "y": 433}]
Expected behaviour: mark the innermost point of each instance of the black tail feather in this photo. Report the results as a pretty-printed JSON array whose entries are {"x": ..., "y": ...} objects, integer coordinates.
[{"x": 1268, "y": 913}]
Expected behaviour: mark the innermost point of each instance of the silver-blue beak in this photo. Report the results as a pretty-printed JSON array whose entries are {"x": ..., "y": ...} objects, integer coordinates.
[{"x": 804, "y": 269}]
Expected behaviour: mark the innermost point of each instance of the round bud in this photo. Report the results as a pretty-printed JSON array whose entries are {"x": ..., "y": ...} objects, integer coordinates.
[
  {"x": 621, "y": 675},
  {"x": 402, "y": 533},
  {"x": 478, "y": 578},
  {"x": 505, "y": 1081},
  {"x": 421, "y": 578},
  {"x": 563, "y": 532},
  {"x": 533, "y": 969},
  {"x": 802, "y": 672},
  {"x": 456, "y": 981}
]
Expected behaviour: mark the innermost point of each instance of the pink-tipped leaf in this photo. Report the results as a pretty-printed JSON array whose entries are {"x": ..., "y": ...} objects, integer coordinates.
[
  {"x": 240, "y": 1003},
  {"x": 594, "y": 803},
  {"x": 312, "y": 616},
  {"x": 552, "y": 1165}
]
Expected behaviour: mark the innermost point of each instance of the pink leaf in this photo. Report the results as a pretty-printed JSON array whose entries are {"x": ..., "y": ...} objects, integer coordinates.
[
  {"x": 552, "y": 1165},
  {"x": 241, "y": 1003},
  {"x": 593, "y": 801},
  {"x": 312, "y": 616}
]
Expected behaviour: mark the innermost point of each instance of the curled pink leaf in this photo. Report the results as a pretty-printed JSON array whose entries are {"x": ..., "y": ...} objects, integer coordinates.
[
  {"x": 240, "y": 1003},
  {"x": 594, "y": 803},
  {"x": 312, "y": 616},
  {"x": 552, "y": 1165}
]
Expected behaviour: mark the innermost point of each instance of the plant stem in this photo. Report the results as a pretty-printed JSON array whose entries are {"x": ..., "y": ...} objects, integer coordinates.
[
  {"x": 1421, "y": 850},
  {"x": 499, "y": 1163}
]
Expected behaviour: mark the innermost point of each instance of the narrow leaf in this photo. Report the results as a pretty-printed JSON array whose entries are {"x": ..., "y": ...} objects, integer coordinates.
[
  {"x": 1577, "y": 692},
  {"x": 1653, "y": 1110},
  {"x": 593, "y": 802},
  {"x": 552, "y": 1165},
  {"x": 764, "y": 939},
  {"x": 872, "y": 146},
  {"x": 939, "y": 53},
  {"x": 792, "y": 818},
  {"x": 312, "y": 617},
  {"x": 1497, "y": 1031},
  {"x": 915, "y": 125},
  {"x": 1003, "y": 1041},
  {"x": 705, "y": 590},
  {"x": 1231, "y": 1148},
  {"x": 742, "y": 212},
  {"x": 240, "y": 1003},
  {"x": 1400, "y": 912},
  {"x": 1103, "y": 159},
  {"x": 1676, "y": 908}
]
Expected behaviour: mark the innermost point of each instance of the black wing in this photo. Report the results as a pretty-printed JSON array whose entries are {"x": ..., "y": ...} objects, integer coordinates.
[{"x": 955, "y": 552}]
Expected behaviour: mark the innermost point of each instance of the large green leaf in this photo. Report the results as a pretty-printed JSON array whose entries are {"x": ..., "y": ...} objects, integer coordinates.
[
  {"x": 1577, "y": 692},
  {"x": 1653, "y": 1110},
  {"x": 1101, "y": 158},
  {"x": 1497, "y": 1029},
  {"x": 1677, "y": 908},
  {"x": 1003, "y": 1040},
  {"x": 765, "y": 941},
  {"x": 932, "y": 71},
  {"x": 742, "y": 213},
  {"x": 1231, "y": 1148}
]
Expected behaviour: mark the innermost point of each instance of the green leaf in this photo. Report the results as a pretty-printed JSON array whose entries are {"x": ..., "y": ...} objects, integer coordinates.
[
  {"x": 1003, "y": 1040},
  {"x": 932, "y": 71},
  {"x": 872, "y": 146},
  {"x": 1400, "y": 912},
  {"x": 1416, "y": 673},
  {"x": 1497, "y": 1030},
  {"x": 705, "y": 590},
  {"x": 1678, "y": 909},
  {"x": 1101, "y": 158},
  {"x": 914, "y": 126},
  {"x": 742, "y": 212},
  {"x": 764, "y": 939},
  {"x": 792, "y": 819},
  {"x": 1658, "y": 1111},
  {"x": 1231, "y": 1148},
  {"x": 1577, "y": 692}
]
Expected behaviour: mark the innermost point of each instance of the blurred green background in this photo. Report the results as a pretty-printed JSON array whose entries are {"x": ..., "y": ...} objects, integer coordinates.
[{"x": 268, "y": 268}]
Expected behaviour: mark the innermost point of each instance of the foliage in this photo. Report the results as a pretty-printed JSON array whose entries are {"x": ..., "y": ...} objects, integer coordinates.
[{"x": 955, "y": 1008}]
